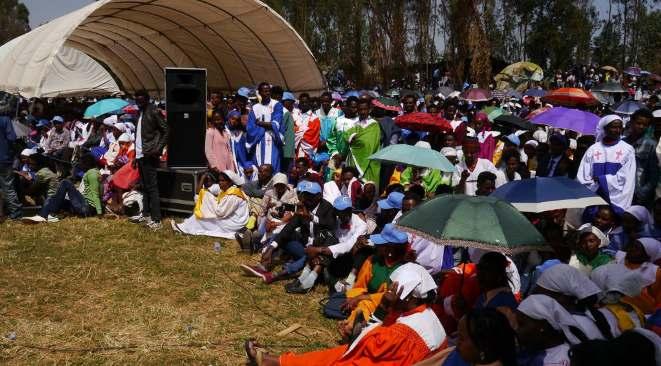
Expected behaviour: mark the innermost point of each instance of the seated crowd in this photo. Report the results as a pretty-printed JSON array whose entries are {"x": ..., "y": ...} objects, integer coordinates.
[{"x": 290, "y": 178}]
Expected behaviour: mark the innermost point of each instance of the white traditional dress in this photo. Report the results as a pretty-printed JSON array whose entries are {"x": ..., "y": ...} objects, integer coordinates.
[
  {"x": 610, "y": 169},
  {"x": 219, "y": 215}
]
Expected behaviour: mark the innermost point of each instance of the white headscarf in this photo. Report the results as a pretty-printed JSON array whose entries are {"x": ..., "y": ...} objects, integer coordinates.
[
  {"x": 605, "y": 121},
  {"x": 614, "y": 277},
  {"x": 125, "y": 137},
  {"x": 589, "y": 228},
  {"x": 567, "y": 280},
  {"x": 542, "y": 307},
  {"x": 110, "y": 121},
  {"x": 540, "y": 136},
  {"x": 641, "y": 214},
  {"x": 235, "y": 178},
  {"x": 652, "y": 248},
  {"x": 120, "y": 126},
  {"x": 413, "y": 279}
]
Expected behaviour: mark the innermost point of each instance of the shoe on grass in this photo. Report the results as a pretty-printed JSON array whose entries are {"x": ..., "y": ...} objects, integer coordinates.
[
  {"x": 139, "y": 219},
  {"x": 52, "y": 219},
  {"x": 255, "y": 271},
  {"x": 175, "y": 227},
  {"x": 154, "y": 225},
  {"x": 36, "y": 219}
]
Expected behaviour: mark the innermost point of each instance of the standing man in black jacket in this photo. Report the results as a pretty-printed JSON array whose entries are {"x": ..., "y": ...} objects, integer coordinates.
[{"x": 151, "y": 137}]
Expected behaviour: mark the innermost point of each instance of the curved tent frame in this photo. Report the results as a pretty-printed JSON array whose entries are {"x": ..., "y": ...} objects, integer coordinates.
[{"x": 239, "y": 42}]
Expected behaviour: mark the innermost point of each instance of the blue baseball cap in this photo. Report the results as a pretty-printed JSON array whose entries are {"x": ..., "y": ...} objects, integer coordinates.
[
  {"x": 309, "y": 187},
  {"x": 43, "y": 123},
  {"x": 389, "y": 235},
  {"x": 514, "y": 139},
  {"x": 57, "y": 119},
  {"x": 288, "y": 96},
  {"x": 394, "y": 200},
  {"x": 342, "y": 203}
]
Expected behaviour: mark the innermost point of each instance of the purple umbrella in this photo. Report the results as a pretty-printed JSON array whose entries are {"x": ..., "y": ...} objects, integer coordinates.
[
  {"x": 570, "y": 119},
  {"x": 534, "y": 92},
  {"x": 633, "y": 71}
]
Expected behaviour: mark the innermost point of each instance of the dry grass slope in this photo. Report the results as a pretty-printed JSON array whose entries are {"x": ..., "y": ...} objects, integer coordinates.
[{"x": 108, "y": 292}]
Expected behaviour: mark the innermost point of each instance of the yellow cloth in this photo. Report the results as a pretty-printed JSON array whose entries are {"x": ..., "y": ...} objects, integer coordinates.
[
  {"x": 368, "y": 306},
  {"x": 232, "y": 191},
  {"x": 623, "y": 316}
]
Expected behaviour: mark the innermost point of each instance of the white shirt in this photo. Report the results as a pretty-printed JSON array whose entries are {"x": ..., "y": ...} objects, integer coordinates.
[
  {"x": 347, "y": 237},
  {"x": 483, "y": 165},
  {"x": 138, "y": 139}
]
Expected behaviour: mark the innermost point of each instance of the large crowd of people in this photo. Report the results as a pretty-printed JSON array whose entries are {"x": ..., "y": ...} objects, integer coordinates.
[{"x": 290, "y": 178}]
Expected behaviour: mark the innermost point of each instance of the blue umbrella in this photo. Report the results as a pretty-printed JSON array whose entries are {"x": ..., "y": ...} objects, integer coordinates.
[
  {"x": 514, "y": 94},
  {"x": 351, "y": 93},
  {"x": 534, "y": 92},
  {"x": 628, "y": 107},
  {"x": 105, "y": 106},
  {"x": 546, "y": 194}
]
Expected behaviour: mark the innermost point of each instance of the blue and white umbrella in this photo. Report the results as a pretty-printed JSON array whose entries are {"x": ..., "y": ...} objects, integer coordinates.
[
  {"x": 547, "y": 194},
  {"x": 535, "y": 92},
  {"x": 105, "y": 106},
  {"x": 628, "y": 107}
]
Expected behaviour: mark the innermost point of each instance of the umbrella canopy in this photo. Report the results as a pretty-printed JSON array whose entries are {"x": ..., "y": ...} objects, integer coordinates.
[
  {"x": 609, "y": 68},
  {"x": 628, "y": 107},
  {"x": 389, "y": 104},
  {"x": 486, "y": 223},
  {"x": 351, "y": 93},
  {"x": 568, "y": 118},
  {"x": 421, "y": 121},
  {"x": 497, "y": 112},
  {"x": 571, "y": 97},
  {"x": 105, "y": 106},
  {"x": 513, "y": 121},
  {"x": 445, "y": 91},
  {"x": 514, "y": 94},
  {"x": 415, "y": 156},
  {"x": 537, "y": 112},
  {"x": 476, "y": 95},
  {"x": 603, "y": 97},
  {"x": 519, "y": 75},
  {"x": 609, "y": 87},
  {"x": 393, "y": 93},
  {"x": 535, "y": 92},
  {"x": 547, "y": 194},
  {"x": 633, "y": 71},
  {"x": 131, "y": 109}
]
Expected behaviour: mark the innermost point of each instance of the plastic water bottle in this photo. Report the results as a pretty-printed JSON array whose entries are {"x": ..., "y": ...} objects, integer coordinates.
[
  {"x": 216, "y": 247},
  {"x": 11, "y": 336}
]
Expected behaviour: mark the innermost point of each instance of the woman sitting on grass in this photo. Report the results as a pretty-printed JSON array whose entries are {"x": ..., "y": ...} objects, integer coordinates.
[
  {"x": 403, "y": 330},
  {"x": 221, "y": 207}
]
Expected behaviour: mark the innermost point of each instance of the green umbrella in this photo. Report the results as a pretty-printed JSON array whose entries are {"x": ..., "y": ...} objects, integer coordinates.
[
  {"x": 415, "y": 156},
  {"x": 486, "y": 223},
  {"x": 495, "y": 114}
]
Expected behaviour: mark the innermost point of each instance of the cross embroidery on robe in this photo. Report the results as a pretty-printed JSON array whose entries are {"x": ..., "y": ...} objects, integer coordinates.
[
  {"x": 618, "y": 155},
  {"x": 597, "y": 155}
]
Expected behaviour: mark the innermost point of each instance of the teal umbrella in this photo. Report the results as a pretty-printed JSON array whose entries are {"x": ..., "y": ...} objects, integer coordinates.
[
  {"x": 486, "y": 223},
  {"x": 415, "y": 156},
  {"x": 105, "y": 106}
]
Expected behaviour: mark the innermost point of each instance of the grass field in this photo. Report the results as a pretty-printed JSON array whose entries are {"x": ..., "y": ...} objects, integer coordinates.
[{"x": 108, "y": 292}]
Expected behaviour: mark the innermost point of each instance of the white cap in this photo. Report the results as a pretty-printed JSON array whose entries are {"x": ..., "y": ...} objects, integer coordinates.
[
  {"x": 28, "y": 152},
  {"x": 449, "y": 151},
  {"x": 110, "y": 121},
  {"x": 125, "y": 137}
]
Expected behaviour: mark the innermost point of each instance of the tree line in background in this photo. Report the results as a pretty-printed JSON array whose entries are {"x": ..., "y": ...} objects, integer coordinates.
[
  {"x": 379, "y": 40},
  {"x": 375, "y": 41}
]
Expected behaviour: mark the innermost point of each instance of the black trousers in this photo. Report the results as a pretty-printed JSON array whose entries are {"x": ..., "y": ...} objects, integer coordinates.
[{"x": 151, "y": 204}]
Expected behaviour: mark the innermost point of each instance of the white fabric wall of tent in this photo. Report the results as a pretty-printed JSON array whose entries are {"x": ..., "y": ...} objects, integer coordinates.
[
  {"x": 239, "y": 42},
  {"x": 70, "y": 73}
]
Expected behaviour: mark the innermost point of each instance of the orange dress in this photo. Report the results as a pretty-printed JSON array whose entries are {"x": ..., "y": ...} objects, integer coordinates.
[
  {"x": 396, "y": 342},
  {"x": 649, "y": 299}
]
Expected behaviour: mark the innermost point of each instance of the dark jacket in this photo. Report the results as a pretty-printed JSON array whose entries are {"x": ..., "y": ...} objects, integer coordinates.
[
  {"x": 561, "y": 168},
  {"x": 7, "y": 138},
  {"x": 154, "y": 131},
  {"x": 326, "y": 222}
]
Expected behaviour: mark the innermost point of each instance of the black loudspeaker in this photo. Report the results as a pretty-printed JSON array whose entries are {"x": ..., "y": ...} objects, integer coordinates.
[{"x": 186, "y": 105}]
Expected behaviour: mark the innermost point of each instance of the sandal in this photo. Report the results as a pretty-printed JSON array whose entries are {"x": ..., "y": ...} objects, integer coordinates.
[{"x": 258, "y": 358}]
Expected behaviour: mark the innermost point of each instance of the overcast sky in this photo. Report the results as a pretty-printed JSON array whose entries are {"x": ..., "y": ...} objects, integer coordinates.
[{"x": 42, "y": 11}]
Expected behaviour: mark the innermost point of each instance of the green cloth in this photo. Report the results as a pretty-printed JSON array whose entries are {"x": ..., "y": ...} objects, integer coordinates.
[
  {"x": 92, "y": 191},
  {"x": 46, "y": 182},
  {"x": 599, "y": 260},
  {"x": 366, "y": 142},
  {"x": 288, "y": 148},
  {"x": 430, "y": 181},
  {"x": 380, "y": 274}
]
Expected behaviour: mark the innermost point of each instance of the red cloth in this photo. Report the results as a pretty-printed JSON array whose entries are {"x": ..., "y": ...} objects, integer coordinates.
[{"x": 126, "y": 177}]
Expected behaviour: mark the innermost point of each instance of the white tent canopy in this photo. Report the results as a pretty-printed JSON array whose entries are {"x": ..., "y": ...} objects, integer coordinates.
[
  {"x": 70, "y": 73},
  {"x": 239, "y": 42}
]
